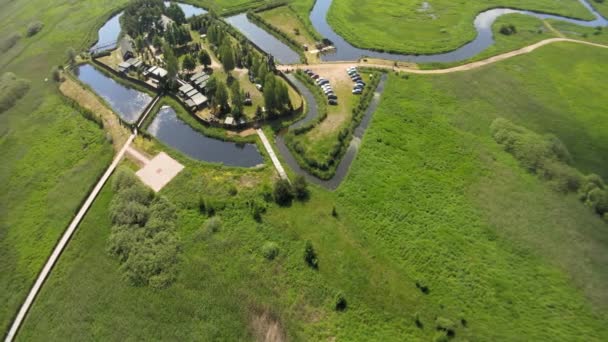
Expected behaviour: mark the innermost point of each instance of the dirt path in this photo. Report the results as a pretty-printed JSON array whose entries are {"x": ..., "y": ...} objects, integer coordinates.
[
  {"x": 65, "y": 238},
  {"x": 465, "y": 67}
]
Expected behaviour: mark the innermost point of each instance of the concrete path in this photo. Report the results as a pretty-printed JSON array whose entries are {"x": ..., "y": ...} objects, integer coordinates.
[
  {"x": 464, "y": 67},
  {"x": 138, "y": 156},
  {"x": 273, "y": 156},
  {"x": 67, "y": 235}
]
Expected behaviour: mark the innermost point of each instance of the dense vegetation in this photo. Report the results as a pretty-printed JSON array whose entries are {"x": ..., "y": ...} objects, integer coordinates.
[
  {"x": 549, "y": 158},
  {"x": 11, "y": 90},
  {"x": 143, "y": 233},
  {"x": 437, "y": 27},
  {"x": 435, "y": 228}
]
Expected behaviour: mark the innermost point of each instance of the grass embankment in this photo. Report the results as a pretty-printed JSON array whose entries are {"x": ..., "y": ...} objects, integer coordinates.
[
  {"x": 51, "y": 155},
  {"x": 287, "y": 20},
  {"x": 408, "y": 27},
  {"x": 592, "y": 34},
  {"x": 431, "y": 200}
]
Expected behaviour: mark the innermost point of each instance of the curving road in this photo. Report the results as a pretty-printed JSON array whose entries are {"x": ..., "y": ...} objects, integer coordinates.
[{"x": 464, "y": 67}]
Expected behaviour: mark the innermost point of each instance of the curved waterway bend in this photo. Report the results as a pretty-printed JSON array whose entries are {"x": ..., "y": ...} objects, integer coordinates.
[
  {"x": 483, "y": 24},
  {"x": 171, "y": 130},
  {"x": 353, "y": 148}
]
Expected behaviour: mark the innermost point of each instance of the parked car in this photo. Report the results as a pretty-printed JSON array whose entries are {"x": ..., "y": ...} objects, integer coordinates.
[
  {"x": 259, "y": 87},
  {"x": 314, "y": 76},
  {"x": 247, "y": 102},
  {"x": 326, "y": 86},
  {"x": 351, "y": 69},
  {"x": 361, "y": 83},
  {"x": 357, "y": 91},
  {"x": 352, "y": 72},
  {"x": 333, "y": 102},
  {"x": 332, "y": 97},
  {"x": 357, "y": 79},
  {"x": 323, "y": 82},
  {"x": 308, "y": 71}
]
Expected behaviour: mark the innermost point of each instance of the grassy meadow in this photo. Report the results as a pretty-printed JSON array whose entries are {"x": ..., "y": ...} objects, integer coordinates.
[
  {"x": 51, "y": 155},
  {"x": 435, "y": 224},
  {"x": 407, "y": 27}
]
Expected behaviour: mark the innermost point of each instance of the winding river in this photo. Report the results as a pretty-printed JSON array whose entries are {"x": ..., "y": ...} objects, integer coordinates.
[{"x": 483, "y": 25}]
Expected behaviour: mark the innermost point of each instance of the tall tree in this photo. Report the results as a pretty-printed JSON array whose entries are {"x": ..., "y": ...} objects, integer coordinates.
[
  {"x": 221, "y": 97},
  {"x": 172, "y": 65},
  {"x": 227, "y": 57},
  {"x": 175, "y": 12},
  {"x": 204, "y": 58},
  {"x": 188, "y": 63},
  {"x": 238, "y": 99}
]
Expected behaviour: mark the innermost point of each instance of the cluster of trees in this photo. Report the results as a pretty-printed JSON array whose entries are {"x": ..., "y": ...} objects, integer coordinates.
[
  {"x": 11, "y": 90},
  {"x": 284, "y": 192},
  {"x": 548, "y": 157},
  {"x": 226, "y": 55},
  {"x": 508, "y": 30},
  {"x": 177, "y": 35},
  {"x": 143, "y": 233},
  {"x": 143, "y": 16},
  {"x": 175, "y": 12},
  {"x": 276, "y": 96},
  {"x": 172, "y": 66}
]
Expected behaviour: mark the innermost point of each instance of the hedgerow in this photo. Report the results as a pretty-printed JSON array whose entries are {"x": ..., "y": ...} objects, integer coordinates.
[{"x": 547, "y": 157}]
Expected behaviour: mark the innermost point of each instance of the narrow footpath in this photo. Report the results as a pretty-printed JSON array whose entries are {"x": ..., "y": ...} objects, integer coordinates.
[
  {"x": 67, "y": 235},
  {"x": 464, "y": 67},
  {"x": 273, "y": 156}
]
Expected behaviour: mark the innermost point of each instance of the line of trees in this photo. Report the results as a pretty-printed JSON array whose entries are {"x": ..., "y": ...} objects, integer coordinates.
[{"x": 547, "y": 157}]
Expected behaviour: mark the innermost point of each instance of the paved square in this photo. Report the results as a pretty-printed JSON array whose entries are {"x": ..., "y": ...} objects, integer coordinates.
[{"x": 159, "y": 171}]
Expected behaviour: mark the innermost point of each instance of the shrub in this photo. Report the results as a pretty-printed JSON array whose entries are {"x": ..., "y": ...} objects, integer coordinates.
[
  {"x": 446, "y": 325},
  {"x": 417, "y": 321},
  {"x": 300, "y": 188},
  {"x": 11, "y": 90},
  {"x": 257, "y": 209},
  {"x": 142, "y": 237},
  {"x": 310, "y": 256},
  {"x": 270, "y": 250},
  {"x": 213, "y": 224},
  {"x": 283, "y": 193},
  {"x": 334, "y": 213},
  {"x": 508, "y": 30},
  {"x": 10, "y": 41},
  {"x": 340, "y": 303},
  {"x": 34, "y": 27}
]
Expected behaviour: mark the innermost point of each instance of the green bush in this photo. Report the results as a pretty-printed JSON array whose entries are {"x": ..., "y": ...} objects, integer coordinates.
[
  {"x": 283, "y": 192},
  {"x": 270, "y": 250},
  {"x": 310, "y": 256},
  {"x": 340, "y": 303},
  {"x": 300, "y": 188},
  {"x": 213, "y": 224},
  {"x": 143, "y": 236},
  {"x": 446, "y": 325},
  {"x": 34, "y": 27},
  {"x": 11, "y": 90},
  {"x": 10, "y": 41}
]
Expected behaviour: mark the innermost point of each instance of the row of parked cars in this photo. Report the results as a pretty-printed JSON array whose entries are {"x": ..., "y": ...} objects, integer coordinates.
[
  {"x": 332, "y": 98},
  {"x": 359, "y": 84}
]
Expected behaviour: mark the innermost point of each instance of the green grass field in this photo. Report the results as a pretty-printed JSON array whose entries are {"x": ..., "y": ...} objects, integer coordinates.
[
  {"x": 404, "y": 26},
  {"x": 51, "y": 155},
  {"x": 431, "y": 199}
]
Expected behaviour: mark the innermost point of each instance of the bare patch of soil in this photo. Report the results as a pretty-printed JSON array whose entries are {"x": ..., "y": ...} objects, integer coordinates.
[{"x": 267, "y": 328}]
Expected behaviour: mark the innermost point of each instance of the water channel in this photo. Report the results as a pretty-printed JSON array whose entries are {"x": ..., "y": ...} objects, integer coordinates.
[
  {"x": 171, "y": 130},
  {"x": 127, "y": 102},
  {"x": 483, "y": 25},
  {"x": 264, "y": 40}
]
